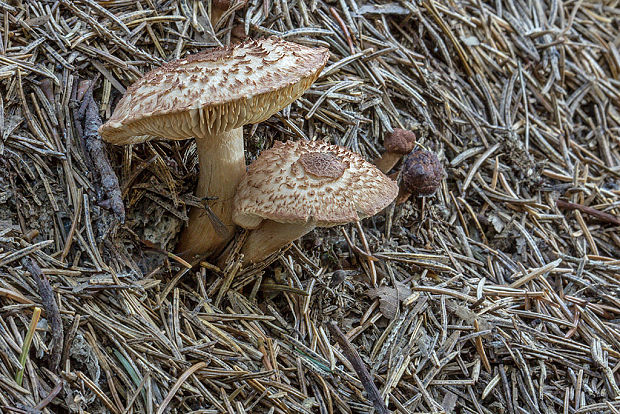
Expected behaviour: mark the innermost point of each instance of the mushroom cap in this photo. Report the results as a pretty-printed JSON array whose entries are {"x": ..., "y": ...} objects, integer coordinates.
[
  {"x": 310, "y": 182},
  {"x": 400, "y": 141},
  {"x": 214, "y": 91},
  {"x": 422, "y": 173}
]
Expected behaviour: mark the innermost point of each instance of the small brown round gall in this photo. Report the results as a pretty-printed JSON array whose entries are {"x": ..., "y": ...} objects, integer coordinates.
[{"x": 422, "y": 173}]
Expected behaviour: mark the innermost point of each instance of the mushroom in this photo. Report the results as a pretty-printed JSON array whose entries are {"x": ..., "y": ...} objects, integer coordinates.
[
  {"x": 210, "y": 96},
  {"x": 398, "y": 143},
  {"x": 298, "y": 185},
  {"x": 421, "y": 175}
]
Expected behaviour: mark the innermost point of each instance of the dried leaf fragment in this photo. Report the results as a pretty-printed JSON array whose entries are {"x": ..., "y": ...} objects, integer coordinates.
[{"x": 389, "y": 298}]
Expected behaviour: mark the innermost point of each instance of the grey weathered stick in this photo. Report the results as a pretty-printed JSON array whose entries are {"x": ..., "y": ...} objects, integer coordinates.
[
  {"x": 360, "y": 368},
  {"x": 96, "y": 150},
  {"x": 51, "y": 309}
]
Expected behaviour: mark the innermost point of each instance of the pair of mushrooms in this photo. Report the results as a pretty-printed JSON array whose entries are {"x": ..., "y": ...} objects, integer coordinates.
[
  {"x": 421, "y": 171},
  {"x": 210, "y": 96}
]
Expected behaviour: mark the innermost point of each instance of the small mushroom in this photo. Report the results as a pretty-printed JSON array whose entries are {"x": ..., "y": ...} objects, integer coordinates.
[
  {"x": 397, "y": 144},
  {"x": 210, "y": 96},
  {"x": 421, "y": 175},
  {"x": 296, "y": 186}
]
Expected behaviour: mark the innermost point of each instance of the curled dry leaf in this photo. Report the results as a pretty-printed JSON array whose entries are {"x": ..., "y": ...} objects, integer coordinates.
[{"x": 389, "y": 298}]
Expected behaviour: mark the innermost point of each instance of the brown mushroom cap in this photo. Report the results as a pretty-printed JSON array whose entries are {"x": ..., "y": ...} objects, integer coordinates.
[
  {"x": 214, "y": 91},
  {"x": 310, "y": 182},
  {"x": 400, "y": 141}
]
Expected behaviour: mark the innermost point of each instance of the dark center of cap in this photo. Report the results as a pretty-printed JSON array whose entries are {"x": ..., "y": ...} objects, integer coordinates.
[{"x": 323, "y": 165}]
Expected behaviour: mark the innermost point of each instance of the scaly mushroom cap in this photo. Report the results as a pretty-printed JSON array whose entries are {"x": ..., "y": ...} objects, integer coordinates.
[
  {"x": 310, "y": 182},
  {"x": 400, "y": 141},
  {"x": 214, "y": 91}
]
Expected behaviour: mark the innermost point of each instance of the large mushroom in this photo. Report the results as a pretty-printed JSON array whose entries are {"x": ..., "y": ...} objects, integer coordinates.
[
  {"x": 210, "y": 96},
  {"x": 298, "y": 185}
]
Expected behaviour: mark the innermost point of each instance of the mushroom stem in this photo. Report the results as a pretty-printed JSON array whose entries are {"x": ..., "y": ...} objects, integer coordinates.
[
  {"x": 222, "y": 165},
  {"x": 269, "y": 237},
  {"x": 387, "y": 161}
]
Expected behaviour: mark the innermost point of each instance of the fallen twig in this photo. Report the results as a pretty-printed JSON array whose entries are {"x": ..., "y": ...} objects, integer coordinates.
[
  {"x": 52, "y": 394},
  {"x": 601, "y": 215},
  {"x": 52, "y": 312},
  {"x": 96, "y": 150},
  {"x": 351, "y": 354}
]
